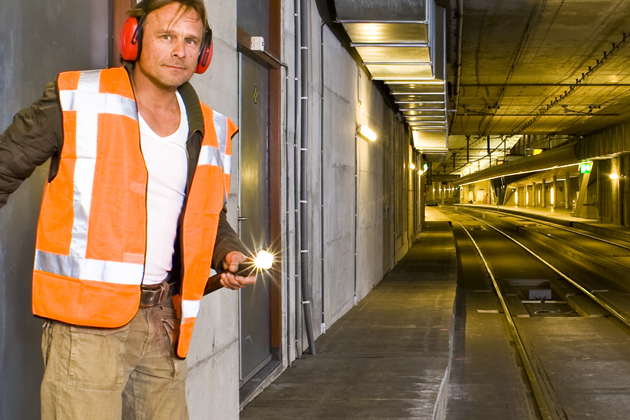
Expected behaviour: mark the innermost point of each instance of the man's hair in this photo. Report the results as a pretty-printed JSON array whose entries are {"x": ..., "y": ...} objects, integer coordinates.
[{"x": 145, "y": 7}]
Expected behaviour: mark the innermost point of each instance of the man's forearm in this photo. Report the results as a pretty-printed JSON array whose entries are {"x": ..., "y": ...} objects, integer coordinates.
[{"x": 226, "y": 242}]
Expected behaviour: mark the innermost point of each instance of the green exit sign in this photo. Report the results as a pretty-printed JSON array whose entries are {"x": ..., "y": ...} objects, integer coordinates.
[{"x": 586, "y": 167}]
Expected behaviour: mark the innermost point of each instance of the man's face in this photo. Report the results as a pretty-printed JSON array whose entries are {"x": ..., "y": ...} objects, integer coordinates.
[{"x": 170, "y": 46}]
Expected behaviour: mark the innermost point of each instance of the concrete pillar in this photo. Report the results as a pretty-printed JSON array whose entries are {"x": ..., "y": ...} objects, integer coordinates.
[
  {"x": 554, "y": 192},
  {"x": 543, "y": 194},
  {"x": 616, "y": 191},
  {"x": 599, "y": 185},
  {"x": 625, "y": 191},
  {"x": 533, "y": 199},
  {"x": 567, "y": 195},
  {"x": 527, "y": 198}
]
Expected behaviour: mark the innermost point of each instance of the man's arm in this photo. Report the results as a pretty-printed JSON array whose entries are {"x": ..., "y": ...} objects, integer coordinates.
[
  {"x": 226, "y": 242},
  {"x": 35, "y": 135},
  {"x": 229, "y": 251}
]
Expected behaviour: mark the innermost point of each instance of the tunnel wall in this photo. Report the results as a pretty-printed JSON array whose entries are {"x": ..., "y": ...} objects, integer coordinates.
[
  {"x": 609, "y": 142},
  {"x": 213, "y": 361},
  {"x": 612, "y": 144},
  {"x": 351, "y": 98}
]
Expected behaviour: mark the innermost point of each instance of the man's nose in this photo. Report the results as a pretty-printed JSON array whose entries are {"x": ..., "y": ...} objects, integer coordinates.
[{"x": 179, "y": 49}]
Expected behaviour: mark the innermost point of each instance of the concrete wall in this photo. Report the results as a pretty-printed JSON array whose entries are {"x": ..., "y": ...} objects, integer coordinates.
[
  {"x": 352, "y": 170},
  {"x": 213, "y": 361},
  {"x": 36, "y": 42}
]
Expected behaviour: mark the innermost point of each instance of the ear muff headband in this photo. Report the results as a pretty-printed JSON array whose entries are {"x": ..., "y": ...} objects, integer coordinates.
[{"x": 131, "y": 43}]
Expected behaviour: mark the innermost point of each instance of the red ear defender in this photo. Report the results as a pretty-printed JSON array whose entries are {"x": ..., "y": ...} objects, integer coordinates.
[
  {"x": 130, "y": 39},
  {"x": 205, "y": 55}
]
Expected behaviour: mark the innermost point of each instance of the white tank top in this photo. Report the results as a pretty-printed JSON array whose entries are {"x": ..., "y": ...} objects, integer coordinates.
[{"x": 167, "y": 164}]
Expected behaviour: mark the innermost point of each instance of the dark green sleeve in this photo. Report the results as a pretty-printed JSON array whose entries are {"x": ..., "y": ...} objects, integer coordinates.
[
  {"x": 35, "y": 135},
  {"x": 227, "y": 241}
]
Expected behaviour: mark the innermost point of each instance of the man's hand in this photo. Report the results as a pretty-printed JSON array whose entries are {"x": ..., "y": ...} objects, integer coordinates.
[{"x": 228, "y": 279}]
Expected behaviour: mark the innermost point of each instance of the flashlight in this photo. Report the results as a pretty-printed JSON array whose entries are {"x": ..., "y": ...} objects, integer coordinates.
[{"x": 262, "y": 261}]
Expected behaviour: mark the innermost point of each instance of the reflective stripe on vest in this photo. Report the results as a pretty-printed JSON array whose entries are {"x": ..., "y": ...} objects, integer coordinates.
[
  {"x": 190, "y": 308},
  {"x": 213, "y": 171}
]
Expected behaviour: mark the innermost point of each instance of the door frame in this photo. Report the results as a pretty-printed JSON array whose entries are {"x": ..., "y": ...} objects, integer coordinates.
[{"x": 269, "y": 59}]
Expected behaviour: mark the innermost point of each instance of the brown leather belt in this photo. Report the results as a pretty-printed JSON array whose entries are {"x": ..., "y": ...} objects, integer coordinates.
[{"x": 154, "y": 294}]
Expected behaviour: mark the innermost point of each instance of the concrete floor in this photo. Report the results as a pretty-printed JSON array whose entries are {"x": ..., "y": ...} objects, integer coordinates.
[
  {"x": 486, "y": 381},
  {"x": 388, "y": 358}
]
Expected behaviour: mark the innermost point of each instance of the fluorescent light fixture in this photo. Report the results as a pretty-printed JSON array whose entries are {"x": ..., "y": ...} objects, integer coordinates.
[
  {"x": 419, "y": 93},
  {"x": 614, "y": 176},
  {"x": 553, "y": 195},
  {"x": 406, "y": 82},
  {"x": 365, "y": 131},
  {"x": 516, "y": 198}
]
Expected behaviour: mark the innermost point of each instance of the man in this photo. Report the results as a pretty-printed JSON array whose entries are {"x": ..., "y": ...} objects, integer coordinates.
[{"x": 132, "y": 219}]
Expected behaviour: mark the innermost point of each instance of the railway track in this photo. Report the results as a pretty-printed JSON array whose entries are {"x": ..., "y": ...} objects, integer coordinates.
[{"x": 536, "y": 286}]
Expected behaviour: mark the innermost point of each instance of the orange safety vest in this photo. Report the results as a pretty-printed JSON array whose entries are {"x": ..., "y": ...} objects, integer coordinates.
[{"x": 91, "y": 237}]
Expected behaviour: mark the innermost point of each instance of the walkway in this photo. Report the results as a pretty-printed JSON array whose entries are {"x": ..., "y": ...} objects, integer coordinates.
[{"x": 388, "y": 357}]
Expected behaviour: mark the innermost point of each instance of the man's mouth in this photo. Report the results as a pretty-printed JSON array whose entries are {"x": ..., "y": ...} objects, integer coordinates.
[{"x": 174, "y": 66}]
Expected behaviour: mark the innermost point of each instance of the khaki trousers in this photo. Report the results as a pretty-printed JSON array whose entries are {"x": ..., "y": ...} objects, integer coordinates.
[{"x": 125, "y": 373}]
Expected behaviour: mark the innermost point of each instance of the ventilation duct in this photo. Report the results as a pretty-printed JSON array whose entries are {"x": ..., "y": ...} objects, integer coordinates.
[{"x": 403, "y": 43}]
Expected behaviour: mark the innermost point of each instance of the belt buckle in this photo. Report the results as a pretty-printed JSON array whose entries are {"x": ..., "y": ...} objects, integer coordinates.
[{"x": 152, "y": 297}]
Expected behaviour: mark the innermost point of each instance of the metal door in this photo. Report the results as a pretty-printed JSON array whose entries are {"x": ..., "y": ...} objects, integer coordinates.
[{"x": 254, "y": 213}]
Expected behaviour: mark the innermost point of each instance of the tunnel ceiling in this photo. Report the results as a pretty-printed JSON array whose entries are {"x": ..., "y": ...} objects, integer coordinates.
[
  {"x": 544, "y": 67},
  {"x": 525, "y": 67},
  {"x": 539, "y": 67}
]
